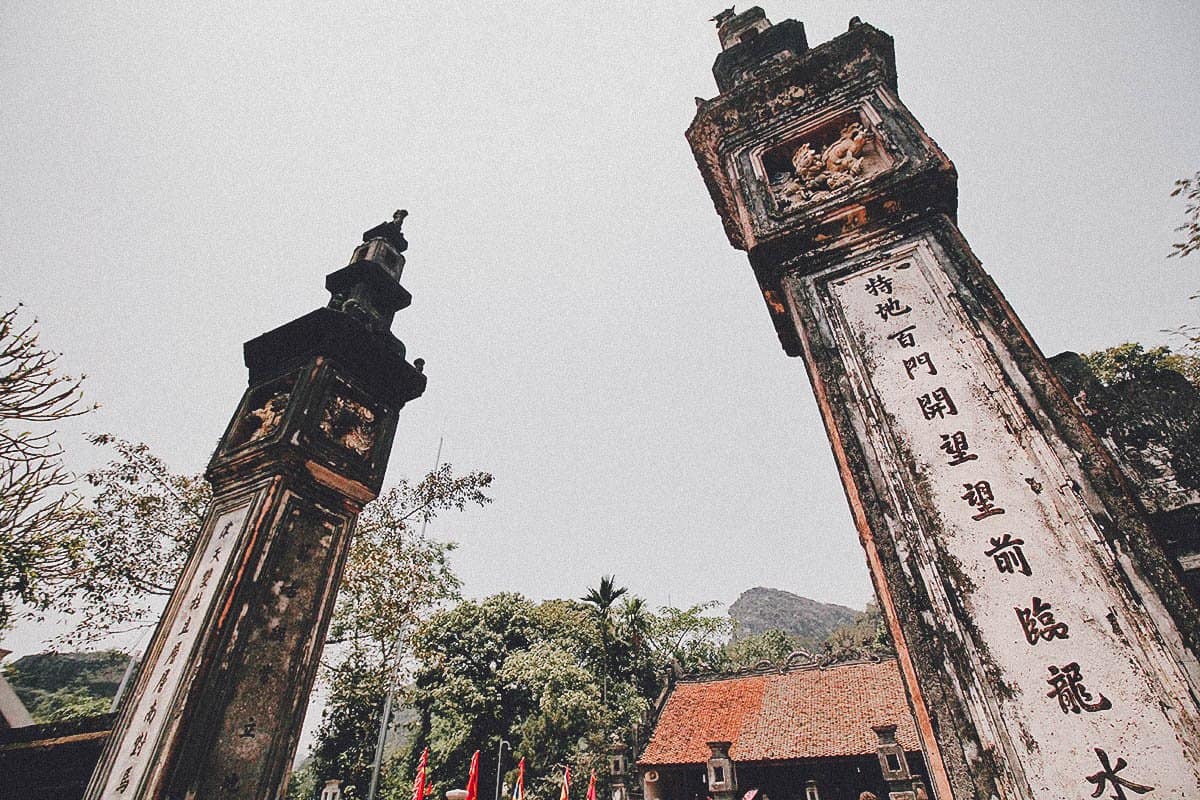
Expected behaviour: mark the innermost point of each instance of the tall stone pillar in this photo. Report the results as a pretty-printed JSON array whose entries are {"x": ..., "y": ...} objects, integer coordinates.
[
  {"x": 225, "y": 682},
  {"x": 1045, "y": 642}
]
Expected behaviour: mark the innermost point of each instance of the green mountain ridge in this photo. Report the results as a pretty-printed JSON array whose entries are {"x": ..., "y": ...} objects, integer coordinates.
[
  {"x": 761, "y": 609},
  {"x": 58, "y": 686}
]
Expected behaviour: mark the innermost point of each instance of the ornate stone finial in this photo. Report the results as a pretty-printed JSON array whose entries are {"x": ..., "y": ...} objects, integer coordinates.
[
  {"x": 390, "y": 232},
  {"x": 734, "y": 28},
  {"x": 368, "y": 288},
  {"x": 724, "y": 16}
]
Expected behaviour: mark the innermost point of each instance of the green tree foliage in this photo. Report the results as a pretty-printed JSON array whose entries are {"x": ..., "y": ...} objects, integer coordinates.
[
  {"x": 395, "y": 577},
  {"x": 770, "y": 646},
  {"x": 553, "y": 678},
  {"x": 556, "y": 679},
  {"x": 139, "y": 527},
  {"x": 136, "y": 533},
  {"x": 39, "y": 543},
  {"x": 345, "y": 743},
  {"x": 1132, "y": 360},
  {"x": 1189, "y": 189},
  {"x": 691, "y": 639},
  {"x": 603, "y": 602},
  {"x": 864, "y": 636},
  {"x": 302, "y": 783}
]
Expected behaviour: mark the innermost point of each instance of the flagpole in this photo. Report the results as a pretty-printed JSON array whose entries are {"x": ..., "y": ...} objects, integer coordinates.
[{"x": 500, "y": 762}]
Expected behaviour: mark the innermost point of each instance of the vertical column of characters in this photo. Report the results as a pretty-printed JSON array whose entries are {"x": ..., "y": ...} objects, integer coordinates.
[
  {"x": 157, "y": 707},
  {"x": 965, "y": 449}
]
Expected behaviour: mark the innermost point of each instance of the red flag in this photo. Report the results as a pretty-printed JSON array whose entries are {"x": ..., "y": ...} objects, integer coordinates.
[
  {"x": 519, "y": 789},
  {"x": 419, "y": 781},
  {"x": 566, "y": 790},
  {"x": 591, "y": 795},
  {"x": 473, "y": 778}
]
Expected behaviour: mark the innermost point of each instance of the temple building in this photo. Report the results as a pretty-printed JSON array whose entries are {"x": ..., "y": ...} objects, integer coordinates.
[{"x": 786, "y": 733}]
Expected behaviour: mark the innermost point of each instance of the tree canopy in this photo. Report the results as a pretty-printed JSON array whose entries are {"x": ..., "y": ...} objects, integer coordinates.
[
  {"x": 1131, "y": 360},
  {"x": 39, "y": 542},
  {"x": 560, "y": 679}
]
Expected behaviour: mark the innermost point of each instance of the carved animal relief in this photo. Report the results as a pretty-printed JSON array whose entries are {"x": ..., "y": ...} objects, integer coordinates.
[
  {"x": 349, "y": 423},
  {"x": 269, "y": 415},
  {"x": 812, "y": 172},
  {"x": 264, "y": 412}
]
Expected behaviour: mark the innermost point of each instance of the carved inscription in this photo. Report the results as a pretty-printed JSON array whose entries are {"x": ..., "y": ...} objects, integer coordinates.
[
  {"x": 1067, "y": 653},
  {"x": 278, "y": 647},
  {"x": 165, "y": 684}
]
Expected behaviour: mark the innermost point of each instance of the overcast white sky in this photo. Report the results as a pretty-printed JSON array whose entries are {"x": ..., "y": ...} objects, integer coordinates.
[{"x": 178, "y": 178}]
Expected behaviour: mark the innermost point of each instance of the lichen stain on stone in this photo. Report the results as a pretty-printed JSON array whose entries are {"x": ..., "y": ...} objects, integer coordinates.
[{"x": 1113, "y": 622}]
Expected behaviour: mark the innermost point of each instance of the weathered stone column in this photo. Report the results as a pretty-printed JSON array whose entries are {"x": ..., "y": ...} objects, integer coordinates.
[
  {"x": 1045, "y": 642},
  {"x": 225, "y": 682}
]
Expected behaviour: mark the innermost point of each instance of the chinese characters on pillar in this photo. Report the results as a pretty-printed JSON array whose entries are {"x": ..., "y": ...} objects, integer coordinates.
[
  {"x": 949, "y": 413},
  {"x": 167, "y": 670}
]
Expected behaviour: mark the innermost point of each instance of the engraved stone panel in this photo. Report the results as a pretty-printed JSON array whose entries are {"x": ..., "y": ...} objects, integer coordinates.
[
  {"x": 1064, "y": 660},
  {"x": 277, "y": 648},
  {"x": 172, "y": 668}
]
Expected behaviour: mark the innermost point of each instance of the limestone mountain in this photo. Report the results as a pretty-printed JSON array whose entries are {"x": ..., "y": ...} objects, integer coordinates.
[
  {"x": 60, "y": 686},
  {"x": 761, "y": 609}
]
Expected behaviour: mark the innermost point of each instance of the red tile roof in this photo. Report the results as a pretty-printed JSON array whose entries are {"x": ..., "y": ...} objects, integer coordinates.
[{"x": 808, "y": 713}]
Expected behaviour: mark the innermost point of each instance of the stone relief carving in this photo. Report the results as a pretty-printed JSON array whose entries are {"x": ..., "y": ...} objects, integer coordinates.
[
  {"x": 265, "y": 409},
  {"x": 785, "y": 98},
  {"x": 349, "y": 424},
  {"x": 268, "y": 415},
  {"x": 816, "y": 174}
]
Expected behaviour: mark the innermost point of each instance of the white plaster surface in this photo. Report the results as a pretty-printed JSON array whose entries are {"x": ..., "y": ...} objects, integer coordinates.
[
  {"x": 1152, "y": 719},
  {"x": 158, "y": 703}
]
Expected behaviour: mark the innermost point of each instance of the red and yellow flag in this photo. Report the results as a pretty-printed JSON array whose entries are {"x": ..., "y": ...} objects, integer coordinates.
[
  {"x": 519, "y": 788},
  {"x": 419, "y": 781},
  {"x": 473, "y": 778},
  {"x": 566, "y": 790},
  {"x": 591, "y": 795}
]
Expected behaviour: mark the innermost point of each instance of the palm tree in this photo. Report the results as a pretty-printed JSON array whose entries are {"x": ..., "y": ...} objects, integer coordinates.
[
  {"x": 602, "y": 599},
  {"x": 604, "y": 596},
  {"x": 635, "y": 622}
]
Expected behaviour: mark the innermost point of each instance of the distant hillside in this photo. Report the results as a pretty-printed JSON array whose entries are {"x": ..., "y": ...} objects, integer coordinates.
[
  {"x": 761, "y": 609},
  {"x": 58, "y": 686}
]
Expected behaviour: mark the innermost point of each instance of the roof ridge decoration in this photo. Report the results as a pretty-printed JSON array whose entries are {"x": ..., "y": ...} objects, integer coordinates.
[{"x": 797, "y": 660}]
